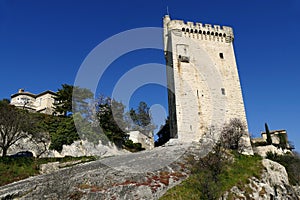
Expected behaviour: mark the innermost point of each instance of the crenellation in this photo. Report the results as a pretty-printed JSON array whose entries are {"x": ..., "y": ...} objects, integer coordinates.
[
  {"x": 181, "y": 22},
  {"x": 202, "y": 31},
  {"x": 190, "y": 24},
  {"x": 217, "y": 28},
  {"x": 208, "y": 27},
  {"x": 199, "y": 25}
]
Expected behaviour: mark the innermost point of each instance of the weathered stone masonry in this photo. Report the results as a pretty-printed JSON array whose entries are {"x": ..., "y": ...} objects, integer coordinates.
[{"x": 202, "y": 75}]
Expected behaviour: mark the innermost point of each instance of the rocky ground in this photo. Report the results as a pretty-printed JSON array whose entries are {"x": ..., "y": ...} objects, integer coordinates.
[{"x": 143, "y": 175}]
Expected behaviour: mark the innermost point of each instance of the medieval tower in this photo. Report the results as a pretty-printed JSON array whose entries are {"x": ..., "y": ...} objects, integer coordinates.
[{"x": 203, "y": 81}]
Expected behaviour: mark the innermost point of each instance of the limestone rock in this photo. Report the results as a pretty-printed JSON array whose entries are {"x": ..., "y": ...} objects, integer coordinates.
[
  {"x": 262, "y": 150},
  {"x": 49, "y": 167},
  {"x": 78, "y": 148},
  {"x": 273, "y": 184},
  {"x": 153, "y": 172}
]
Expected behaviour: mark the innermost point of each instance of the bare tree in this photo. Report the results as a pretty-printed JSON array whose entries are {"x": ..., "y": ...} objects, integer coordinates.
[
  {"x": 232, "y": 134},
  {"x": 42, "y": 141},
  {"x": 14, "y": 125}
]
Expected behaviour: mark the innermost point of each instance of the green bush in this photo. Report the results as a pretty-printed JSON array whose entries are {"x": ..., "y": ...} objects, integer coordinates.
[{"x": 133, "y": 147}]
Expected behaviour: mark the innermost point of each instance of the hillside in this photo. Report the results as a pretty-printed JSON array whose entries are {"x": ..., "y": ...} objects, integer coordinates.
[{"x": 145, "y": 175}]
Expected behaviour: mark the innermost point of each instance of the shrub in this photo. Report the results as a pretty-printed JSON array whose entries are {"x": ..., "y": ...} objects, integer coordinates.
[
  {"x": 232, "y": 134},
  {"x": 258, "y": 144}
]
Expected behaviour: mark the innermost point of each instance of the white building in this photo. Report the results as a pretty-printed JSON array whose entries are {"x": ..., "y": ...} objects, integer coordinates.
[
  {"x": 42, "y": 103},
  {"x": 147, "y": 142}
]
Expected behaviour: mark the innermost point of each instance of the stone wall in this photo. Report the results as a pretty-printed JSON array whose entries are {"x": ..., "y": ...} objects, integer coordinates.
[{"x": 138, "y": 137}]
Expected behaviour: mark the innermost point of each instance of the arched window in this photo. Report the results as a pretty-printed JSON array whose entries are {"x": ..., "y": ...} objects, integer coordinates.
[
  {"x": 216, "y": 34},
  {"x": 196, "y": 31},
  {"x": 224, "y": 35},
  {"x": 187, "y": 30},
  {"x": 183, "y": 29},
  {"x": 200, "y": 31}
]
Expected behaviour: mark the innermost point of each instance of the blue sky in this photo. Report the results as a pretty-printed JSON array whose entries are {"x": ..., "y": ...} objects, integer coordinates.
[{"x": 43, "y": 43}]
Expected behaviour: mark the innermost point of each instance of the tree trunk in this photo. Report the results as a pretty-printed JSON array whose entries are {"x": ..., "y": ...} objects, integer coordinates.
[{"x": 4, "y": 152}]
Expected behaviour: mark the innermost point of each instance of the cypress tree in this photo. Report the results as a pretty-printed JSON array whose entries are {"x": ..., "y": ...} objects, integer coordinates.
[{"x": 269, "y": 139}]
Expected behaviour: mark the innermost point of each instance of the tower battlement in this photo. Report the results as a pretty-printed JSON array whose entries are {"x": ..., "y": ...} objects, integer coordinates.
[{"x": 199, "y": 30}]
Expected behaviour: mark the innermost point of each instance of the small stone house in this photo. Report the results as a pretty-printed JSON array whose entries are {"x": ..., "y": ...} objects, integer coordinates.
[
  {"x": 42, "y": 103},
  {"x": 147, "y": 142},
  {"x": 278, "y": 137}
]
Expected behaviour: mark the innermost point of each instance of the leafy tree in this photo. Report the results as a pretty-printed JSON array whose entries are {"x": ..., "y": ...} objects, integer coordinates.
[
  {"x": 110, "y": 114},
  {"x": 62, "y": 132},
  {"x": 4, "y": 102},
  {"x": 63, "y": 101},
  {"x": 15, "y": 124},
  {"x": 269, "y": 139},
  {"x": 72, "y": 99},
  {"x": 141, "y": 117},
  {"x": 89, "y": 130},
  {"x": 163, "y": 134}
]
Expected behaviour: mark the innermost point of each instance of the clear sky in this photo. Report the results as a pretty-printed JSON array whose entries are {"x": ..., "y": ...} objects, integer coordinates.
[{"x": 43, "y": 43}]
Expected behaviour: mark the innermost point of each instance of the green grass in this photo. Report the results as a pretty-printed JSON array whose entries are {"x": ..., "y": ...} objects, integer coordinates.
[
  {"x": 239, "y": 172},
  {"x": 236, "y": 173},
  {"x": 14, "y": 169}
]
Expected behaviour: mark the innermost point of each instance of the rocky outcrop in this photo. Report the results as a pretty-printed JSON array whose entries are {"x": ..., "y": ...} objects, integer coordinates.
[
  {"x": 76, "y": 149},
  {"x": 85, "y": 148},
  {"x": 55, "y": 166},
  {"x": 273, "y": 184},
  {"x": 143, "y": 175}
]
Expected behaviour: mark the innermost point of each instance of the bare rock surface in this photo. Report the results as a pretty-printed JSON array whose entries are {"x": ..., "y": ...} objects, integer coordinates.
[{"x": 143, "y": 175}]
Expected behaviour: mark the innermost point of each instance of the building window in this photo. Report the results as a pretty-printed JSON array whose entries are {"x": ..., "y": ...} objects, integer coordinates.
[
  {"x": 223, "y": 91},
  {"x": 221, "y": 55}
]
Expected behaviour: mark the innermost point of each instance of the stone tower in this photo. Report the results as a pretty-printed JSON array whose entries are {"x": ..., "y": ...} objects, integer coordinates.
[{"x": 203, "y": 81}]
